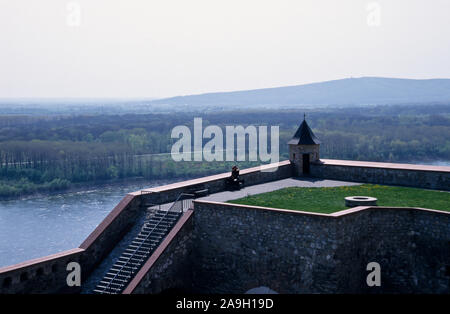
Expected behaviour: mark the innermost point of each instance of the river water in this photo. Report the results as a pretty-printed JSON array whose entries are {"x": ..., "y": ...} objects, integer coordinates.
[
  {"x": 431, "y": 163},
  {"x": 39, "y": 226}
]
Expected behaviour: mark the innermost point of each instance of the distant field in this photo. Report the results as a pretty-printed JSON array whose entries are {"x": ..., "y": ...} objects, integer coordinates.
[{"x": 331, "y": 199}]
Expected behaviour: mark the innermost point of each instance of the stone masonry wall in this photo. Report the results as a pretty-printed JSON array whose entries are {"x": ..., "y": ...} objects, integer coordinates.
[
  {"x": 169, "y": 267},
  {"x": 242, "y": 247},
  {"x": 43, "y": 275},
  {"x": 215, "y": 183},
  {"x": 237, "y": 247},
  {"x": 48, "y": 274},
  {"x": 296, "y": 156},
  {"x": 414, "y": 177},
  {"x": 109, "y": 232},
  {"x": 411, "y": 245}
]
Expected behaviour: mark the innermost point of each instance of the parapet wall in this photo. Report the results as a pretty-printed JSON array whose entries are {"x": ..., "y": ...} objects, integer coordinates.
[
  {"x": 242, "y": 247},
  {"x": 43, "y": 275},
  {"x": 421, "y": 176},
  {"x": 28, "y": 277},
  {"x": 169, "y": 267},
  {"x": 48, "y": 274},
  {"x": 412, "y": 246},
  {"x": 216, "y": 183},
  {"x": 109, "y": 232}
]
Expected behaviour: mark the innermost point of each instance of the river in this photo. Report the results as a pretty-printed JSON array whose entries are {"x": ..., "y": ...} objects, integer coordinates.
[
  {"x": 39, "y": 226},
  {"x": 431, "y": 163}
]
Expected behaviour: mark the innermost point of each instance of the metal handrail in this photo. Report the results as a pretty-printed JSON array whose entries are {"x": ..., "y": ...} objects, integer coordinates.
[
  {"x": 151, "y": 209},
  {"x": 142, "y": 242}
]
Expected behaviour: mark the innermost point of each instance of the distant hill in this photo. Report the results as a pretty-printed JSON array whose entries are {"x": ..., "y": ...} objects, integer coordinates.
[{"x": 350, "y": 91}]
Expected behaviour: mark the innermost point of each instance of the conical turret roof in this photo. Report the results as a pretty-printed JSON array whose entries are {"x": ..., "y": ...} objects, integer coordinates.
[{"x": 304, "y": 136}]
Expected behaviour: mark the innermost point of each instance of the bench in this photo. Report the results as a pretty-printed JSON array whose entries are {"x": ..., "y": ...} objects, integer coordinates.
[{"x": 200, "y": 193}]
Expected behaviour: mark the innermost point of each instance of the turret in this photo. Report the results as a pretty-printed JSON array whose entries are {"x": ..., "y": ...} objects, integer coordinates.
[{"x": 303, "y": 149}]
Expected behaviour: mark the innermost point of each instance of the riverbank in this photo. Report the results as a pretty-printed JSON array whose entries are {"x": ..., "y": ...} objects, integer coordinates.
[
  {"x": 83, "y": 186},
  {"x": 25, "y": 190}
]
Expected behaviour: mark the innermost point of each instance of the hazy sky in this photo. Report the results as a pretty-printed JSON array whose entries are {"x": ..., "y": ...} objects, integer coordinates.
[{"x": 134, "y": 48}]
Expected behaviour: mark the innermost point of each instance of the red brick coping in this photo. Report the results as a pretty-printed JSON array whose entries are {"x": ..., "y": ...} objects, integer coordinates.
[
  {"x": 107, "y": 221},
  {"x": 337, "y": 214},
  {"x": 154, "y": 257},
  {"x": 86, "y": 243},
  {"x": 41, "y": 260},
  {"x": 118, "y": 209},
  {"x": 130, "y": 196},
  {"x": 207, "y": 179},
  {"x": 158, "y": 252},
  {"x": 370, "y": 164}
]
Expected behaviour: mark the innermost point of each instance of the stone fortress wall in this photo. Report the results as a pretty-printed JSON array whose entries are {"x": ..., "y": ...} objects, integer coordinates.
[
  {"x": 48, "y": 274},
  {"x": 415, "y": 231},
  {"x": 420, "y": 176},
  {"x": 298, "y": 252}
]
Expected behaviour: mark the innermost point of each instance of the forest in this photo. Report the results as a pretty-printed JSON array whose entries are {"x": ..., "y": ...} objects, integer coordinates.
[{"x": 40, "y": 153}]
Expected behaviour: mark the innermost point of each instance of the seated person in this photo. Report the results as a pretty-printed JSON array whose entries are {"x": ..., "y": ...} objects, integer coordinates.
[{"x": 234, "y": 182}]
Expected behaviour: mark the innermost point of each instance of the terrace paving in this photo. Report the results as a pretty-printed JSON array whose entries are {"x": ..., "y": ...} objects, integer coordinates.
[
  {"x": 273, "y": 186},
  {"x": 269, "y": 187}
]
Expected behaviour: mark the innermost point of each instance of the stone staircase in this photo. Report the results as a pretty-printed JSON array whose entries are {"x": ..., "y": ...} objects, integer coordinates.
[{"x": 155, "y": 228}]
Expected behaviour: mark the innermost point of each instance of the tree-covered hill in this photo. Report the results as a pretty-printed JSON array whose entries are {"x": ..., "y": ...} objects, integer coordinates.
[{"x": 344, "y": 92}]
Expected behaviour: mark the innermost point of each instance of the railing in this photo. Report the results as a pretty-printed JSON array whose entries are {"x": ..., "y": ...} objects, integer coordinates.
[
  {"x": 151, "y": 210},
  {"x": 182, "y": 203},
  {"x": 187, "y": 203}
]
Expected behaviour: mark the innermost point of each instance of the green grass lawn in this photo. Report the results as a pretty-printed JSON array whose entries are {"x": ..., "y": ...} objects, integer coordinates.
[{"x": 331, "y": 199}]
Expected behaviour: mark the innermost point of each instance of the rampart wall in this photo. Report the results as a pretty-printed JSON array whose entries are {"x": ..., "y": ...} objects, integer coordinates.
[
  {"x": 420, "y": 176},
  {"x": 306, "y": 252},
  {"x": 242, "y": 247}
]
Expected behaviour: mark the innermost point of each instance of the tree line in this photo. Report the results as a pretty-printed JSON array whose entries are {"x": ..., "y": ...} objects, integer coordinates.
[{"x": 48, "y": 153}]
